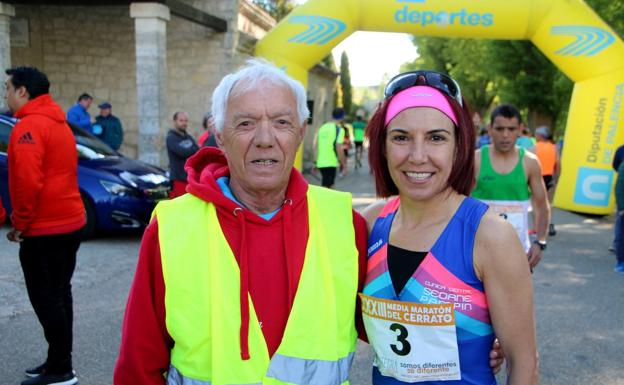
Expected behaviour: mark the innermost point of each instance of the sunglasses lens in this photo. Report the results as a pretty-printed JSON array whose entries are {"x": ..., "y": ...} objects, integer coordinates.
[
  {"x": 400, "y": 83},
  {"x": 432, "y": 79},
  {"x": 446, "y": 83}
]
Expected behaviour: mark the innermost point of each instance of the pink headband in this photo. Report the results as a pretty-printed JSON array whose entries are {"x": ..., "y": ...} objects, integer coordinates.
[{"x": 419, "y": 96}]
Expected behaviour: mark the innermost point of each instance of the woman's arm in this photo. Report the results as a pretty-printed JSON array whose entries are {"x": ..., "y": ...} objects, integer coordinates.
[{"x": 502, "y": 265}]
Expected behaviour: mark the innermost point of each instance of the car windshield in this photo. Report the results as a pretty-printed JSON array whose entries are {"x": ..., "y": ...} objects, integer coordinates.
[{"x": 89, "y": 146}]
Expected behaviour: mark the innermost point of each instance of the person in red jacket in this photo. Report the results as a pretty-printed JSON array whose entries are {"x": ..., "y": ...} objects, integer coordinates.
[
  {"x": 262, "y": 208},
  {"x": 48, "y": 214}
]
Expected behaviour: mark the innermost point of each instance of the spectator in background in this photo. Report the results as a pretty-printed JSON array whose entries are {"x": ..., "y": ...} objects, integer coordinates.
[
  {"x": 48, "y": 214},
  {"x": 619, "y": 199},
  {"x": 483, "y": 139},
  {"x": 524, "y": 140},
  {"x": 358, "y": 138},
  {"x": 112, "y": 131},
  {"x": 78, "y": 114},
  {"x": 508, "y": 178},
  {"x": 208, "y": 138},
  {"x": 346, "y": 142},
  {"x": 328, "y": 148},
  {"x": 546, "y": 152},
  {"x": 617, "y": 161},
  {"x": 180, "y": 146},
  {"x": 618, "y": 158}
]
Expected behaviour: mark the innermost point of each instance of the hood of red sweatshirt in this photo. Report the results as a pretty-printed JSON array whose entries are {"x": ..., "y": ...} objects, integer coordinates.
[
  {"x": 42, "y": 105},
  {"x": 210, "y": 164}
]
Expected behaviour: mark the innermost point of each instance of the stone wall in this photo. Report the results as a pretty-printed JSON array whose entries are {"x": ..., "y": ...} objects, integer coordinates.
[{"x": 85, "y": 49}]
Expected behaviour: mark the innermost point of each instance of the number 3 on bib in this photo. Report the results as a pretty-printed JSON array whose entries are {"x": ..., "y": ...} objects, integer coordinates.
[{"x": 402, "y": 339}]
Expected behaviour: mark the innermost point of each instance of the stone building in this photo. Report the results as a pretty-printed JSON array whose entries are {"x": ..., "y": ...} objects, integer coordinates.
[{"x": 148, "y": 59}]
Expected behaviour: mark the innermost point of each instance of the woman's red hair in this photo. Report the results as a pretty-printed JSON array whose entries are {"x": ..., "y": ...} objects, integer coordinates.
[{"x": 461, "y": 178}]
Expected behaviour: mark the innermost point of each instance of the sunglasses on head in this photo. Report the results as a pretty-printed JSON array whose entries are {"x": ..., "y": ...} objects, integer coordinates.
[{"x": 437, "y": 80}]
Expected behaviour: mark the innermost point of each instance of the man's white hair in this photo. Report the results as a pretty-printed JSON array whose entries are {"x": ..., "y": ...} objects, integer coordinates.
[{"x": 251, "y": 76}]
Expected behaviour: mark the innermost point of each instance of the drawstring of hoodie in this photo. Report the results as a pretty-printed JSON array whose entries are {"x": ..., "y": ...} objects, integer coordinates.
[
  {"x": 244, "y": 285},
  {"x": 239, "y": 213},
  {"x": 287, "y": 226}
]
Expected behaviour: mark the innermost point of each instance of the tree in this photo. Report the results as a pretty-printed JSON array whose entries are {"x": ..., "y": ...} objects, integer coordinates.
[
  {"x": 529, "y": 80},
  {"x": 612, "y": 12},
  {"x": 463, "y": 59},
  {"x": 278, "y": 9},
  {"x": 345, "y": 83}
]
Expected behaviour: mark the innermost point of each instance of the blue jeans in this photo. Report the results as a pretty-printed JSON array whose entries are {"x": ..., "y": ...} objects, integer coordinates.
[{"x": 618, "y": 241}]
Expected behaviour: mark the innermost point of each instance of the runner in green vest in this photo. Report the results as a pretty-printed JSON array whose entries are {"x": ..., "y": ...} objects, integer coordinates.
[
  {"x": 358, "y": 138},
  {"x": 509, "y": 178},
  {"x": 328, "y": 149}
]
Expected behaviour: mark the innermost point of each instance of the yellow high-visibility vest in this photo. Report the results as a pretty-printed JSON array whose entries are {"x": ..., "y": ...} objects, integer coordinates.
[{"x": 202, "y": 303}]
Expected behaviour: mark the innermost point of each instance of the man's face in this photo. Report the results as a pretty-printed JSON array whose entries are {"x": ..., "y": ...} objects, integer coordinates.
[
  {"x": 504, "y": 132},
  {"x": 181, "y": 122},
  {"x": 86, "y": 103},
  {"x": 260, "y": 138},
  {"x": 15, "y": 98},
  {"x": 105, "y": 112}
]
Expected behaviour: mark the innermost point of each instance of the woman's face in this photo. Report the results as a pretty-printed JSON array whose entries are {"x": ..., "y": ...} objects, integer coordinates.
[{"x": 420, "y": 147}]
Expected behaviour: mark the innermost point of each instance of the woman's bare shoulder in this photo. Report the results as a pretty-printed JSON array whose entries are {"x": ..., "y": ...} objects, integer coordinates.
[{"x": 371, "y": 212}]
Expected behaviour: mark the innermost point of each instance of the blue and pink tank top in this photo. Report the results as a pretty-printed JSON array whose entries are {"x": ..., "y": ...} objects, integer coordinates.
[{"x": 446, "y": 275}]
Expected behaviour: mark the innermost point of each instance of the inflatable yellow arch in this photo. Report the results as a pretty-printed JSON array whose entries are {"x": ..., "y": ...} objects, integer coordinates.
[{"x": 568, "y": 32}]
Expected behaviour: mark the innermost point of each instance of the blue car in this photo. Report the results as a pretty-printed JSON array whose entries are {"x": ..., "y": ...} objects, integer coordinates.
[{"x": 119, "y": 193}]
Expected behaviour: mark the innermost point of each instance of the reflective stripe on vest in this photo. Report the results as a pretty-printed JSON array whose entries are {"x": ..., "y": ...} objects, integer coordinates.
[
  {"x": 287, "y": 369},
  {"x": 202, "y": 305},
  {"x": 302, "y": 371}
]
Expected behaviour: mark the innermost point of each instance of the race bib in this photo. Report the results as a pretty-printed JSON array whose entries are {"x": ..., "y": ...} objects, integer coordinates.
[
  {"x": 412, "y": 342},
  {"x": 515, "y": 213}
]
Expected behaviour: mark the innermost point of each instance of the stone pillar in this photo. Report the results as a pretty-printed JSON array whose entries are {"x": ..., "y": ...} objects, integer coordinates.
[
  {"x": 6, "y": 12},
  {"x": 150, "y": 26}
]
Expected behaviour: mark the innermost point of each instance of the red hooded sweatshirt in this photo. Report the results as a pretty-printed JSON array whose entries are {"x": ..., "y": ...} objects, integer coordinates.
[
  {"x": 43, "y": 171},
  {"x": 270, "y": 253}
]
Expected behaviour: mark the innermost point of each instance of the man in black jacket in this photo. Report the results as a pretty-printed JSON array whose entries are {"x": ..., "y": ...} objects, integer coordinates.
[
  {"x": 111, "y": 129},
  {"x": 180, "y": 146}
]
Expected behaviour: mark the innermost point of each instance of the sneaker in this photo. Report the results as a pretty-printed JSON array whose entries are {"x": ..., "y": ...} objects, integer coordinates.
[
  {"x": 619, "y": 268},
  {"x": 551, "y": 230},
  {"x": 44, "y": 378},
  {"x": 612, "y": 249},
  {"x": 36, "y": 371}
]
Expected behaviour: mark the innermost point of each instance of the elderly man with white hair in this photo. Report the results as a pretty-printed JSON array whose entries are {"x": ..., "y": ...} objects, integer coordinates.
[{"x": 252, "y": 277}]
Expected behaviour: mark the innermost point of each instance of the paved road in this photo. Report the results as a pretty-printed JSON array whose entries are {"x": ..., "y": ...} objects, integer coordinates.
[{"x": 579, "y": 304}]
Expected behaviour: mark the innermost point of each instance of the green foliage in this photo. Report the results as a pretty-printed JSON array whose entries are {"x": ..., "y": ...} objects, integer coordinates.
[
  {"x": 463, "y": 59},
  {"x": 278, "y": 9},
  {"x": 612, "y": 12},
  {"x": 529, "y": 80},
  {"x": 328, "y": 61},
  {"x": 345, "y": 83}
]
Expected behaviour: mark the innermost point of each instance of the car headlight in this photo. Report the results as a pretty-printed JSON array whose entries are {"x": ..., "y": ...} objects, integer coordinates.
[{"x": 118, "y": 189}]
